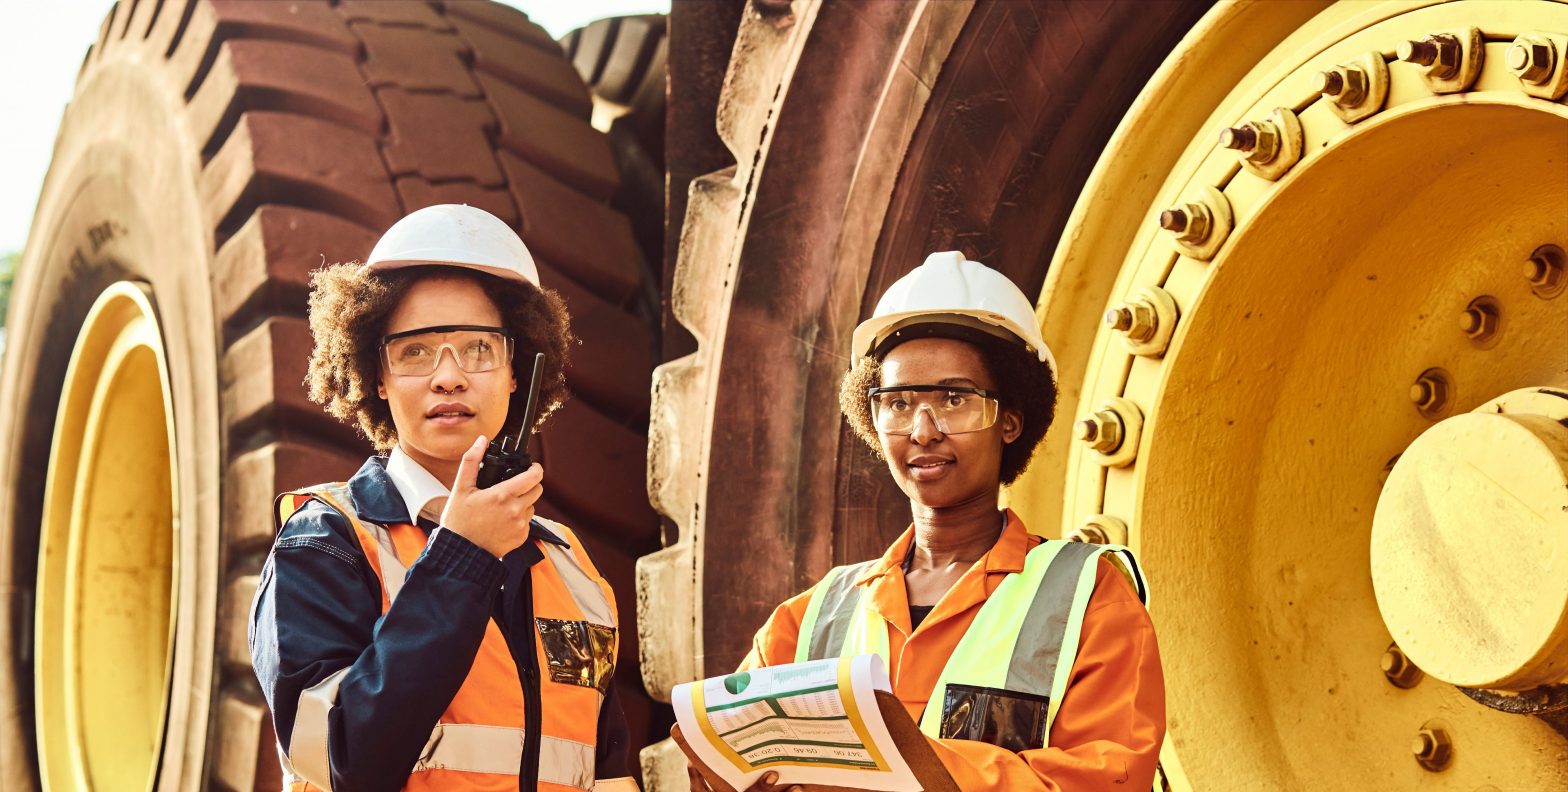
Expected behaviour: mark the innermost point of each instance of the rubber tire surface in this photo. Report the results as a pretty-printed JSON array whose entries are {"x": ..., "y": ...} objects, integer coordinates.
[
  {"x": 1017, "y": 116},
  {"x": 222, "y": 150},
  {"x": 622, "y": 59}
]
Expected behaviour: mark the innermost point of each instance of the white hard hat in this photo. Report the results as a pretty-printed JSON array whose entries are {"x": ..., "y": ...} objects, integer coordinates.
[
  {"x": 454, "y": 235},
  {"x": 949, "y": 289}
]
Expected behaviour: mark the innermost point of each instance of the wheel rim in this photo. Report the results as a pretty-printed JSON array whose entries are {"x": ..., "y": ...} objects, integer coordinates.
[
  {"x": 107, "y": 571},
  {"x": 1271, "y": 420}
]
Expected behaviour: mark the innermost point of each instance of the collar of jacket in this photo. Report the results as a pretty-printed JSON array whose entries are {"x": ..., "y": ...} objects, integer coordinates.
[
  {"x": 1006, "y": 556},
  {"x": 376, "y": 500}
]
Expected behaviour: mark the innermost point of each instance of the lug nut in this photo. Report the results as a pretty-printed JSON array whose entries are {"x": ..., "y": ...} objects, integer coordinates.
[
  {"x": 1397, "y": 667},
  {"x": 1258, "y": 140},
  {"x": 1439, "y": 53},
  {"x": 1190, "y": 222},
  {"x": 1430, "y": 391},
  {"x": 1345, "y": 85},
  {"x": 1102, "y": 431},
  {"x": 1479, "y": 320},
  {"x": 1432, "y": 747},
  {"x": 1093, "y": 534},
  {"x": 1544, "y": 270},
  {"x": 1532, "y": 59},
  {"x": 1140, "y": 319}
]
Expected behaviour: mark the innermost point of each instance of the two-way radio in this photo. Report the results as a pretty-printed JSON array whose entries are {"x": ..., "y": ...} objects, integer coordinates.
[{"x": 507, "y": 455}]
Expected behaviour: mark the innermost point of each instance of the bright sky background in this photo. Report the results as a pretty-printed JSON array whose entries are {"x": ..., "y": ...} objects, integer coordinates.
[{"x": 42, "y": 48}]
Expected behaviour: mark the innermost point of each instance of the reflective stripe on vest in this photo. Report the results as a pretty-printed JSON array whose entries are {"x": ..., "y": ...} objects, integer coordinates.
[
  {"x": 1025, "y": 637},
  {"x": 451, "y": 747}
]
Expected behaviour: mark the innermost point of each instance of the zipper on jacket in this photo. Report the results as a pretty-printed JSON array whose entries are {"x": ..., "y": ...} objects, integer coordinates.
[{"x": 533, "y": 712}]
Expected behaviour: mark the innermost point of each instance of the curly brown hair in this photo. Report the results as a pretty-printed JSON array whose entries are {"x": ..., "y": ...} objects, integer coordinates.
[
  {"x": 1023, "y": 383},
  {"x": 348, "y": 314}
]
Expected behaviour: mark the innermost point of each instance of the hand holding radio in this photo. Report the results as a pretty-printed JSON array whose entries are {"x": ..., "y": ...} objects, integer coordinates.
[
  {"x": 497, "y": 486},
  {"x": 496, "y": 518}
]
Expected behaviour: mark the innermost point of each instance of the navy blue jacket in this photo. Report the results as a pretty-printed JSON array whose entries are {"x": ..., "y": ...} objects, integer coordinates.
[{"x": 318, "y": 610}]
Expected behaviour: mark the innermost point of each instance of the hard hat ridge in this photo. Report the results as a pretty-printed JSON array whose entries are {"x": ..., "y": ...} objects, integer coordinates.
[
  {"x": 947, "y": 289},
  {"x": 454, "y": 235}
]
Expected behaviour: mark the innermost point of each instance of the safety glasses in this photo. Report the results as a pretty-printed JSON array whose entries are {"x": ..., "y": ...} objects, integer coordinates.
[
  {"x": 476, "y": 348},
  {"x": 954, "y": 410}
]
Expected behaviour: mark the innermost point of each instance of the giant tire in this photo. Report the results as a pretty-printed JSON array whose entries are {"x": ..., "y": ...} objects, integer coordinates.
[
  {"x": 986, "y": 119},
  {"x": 214, "y": 154}
]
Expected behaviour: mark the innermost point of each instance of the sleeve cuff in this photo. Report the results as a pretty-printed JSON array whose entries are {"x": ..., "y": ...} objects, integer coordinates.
[{"x": 448, "y": 553}]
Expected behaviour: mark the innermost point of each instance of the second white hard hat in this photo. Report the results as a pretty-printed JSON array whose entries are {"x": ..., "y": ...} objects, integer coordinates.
[
  {"x": 949, "y": 289},
  {"x": 454, "y": 235}
]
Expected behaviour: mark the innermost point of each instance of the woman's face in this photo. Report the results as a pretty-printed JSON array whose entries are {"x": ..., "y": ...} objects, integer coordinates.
[
  {"x": 438, "y": 415},
  {"x": 933, "y": 469}
]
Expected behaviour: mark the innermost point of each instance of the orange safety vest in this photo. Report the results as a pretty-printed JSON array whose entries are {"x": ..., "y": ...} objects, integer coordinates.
[{"x": 478, "y": 742}]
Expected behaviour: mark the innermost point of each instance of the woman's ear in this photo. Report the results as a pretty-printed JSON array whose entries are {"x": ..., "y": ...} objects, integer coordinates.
[
  {"x": 1012, "y": 425},
  {"x": 381, "y": 389}
]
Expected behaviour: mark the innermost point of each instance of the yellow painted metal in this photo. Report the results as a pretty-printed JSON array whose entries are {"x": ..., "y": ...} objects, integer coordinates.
[
  {"x": 106, "y": 568},
  {"x": 1470, "y": 548},
  {"x": 1284, "y": 395}
]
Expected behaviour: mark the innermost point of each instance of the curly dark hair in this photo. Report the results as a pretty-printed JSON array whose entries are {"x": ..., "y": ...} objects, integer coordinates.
[
  {"x": 348, "y": 314},
  {"x": 1023, "y": 383}
]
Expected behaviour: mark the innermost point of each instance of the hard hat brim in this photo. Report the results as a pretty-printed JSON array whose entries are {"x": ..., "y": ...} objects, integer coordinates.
[
  {"x": 870, "y": 333},
  {"x": 499, "y": 272}
]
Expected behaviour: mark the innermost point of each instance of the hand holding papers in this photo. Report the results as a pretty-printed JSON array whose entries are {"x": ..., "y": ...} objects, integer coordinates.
[{"x": 825, "y": 724}]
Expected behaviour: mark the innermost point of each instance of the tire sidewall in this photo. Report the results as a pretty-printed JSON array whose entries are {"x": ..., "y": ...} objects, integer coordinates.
[{"x": 120, "y": 203}]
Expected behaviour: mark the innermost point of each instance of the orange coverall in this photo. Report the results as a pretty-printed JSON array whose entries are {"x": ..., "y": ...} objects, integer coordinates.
[{"x": 1108, "y": 732}]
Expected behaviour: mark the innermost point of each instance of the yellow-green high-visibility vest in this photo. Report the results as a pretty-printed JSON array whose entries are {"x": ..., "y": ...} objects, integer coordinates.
[{"x": 1021, "y": 645}]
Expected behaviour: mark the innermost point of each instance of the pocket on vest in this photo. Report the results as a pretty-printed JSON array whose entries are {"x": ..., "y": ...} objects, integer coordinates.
[
  {"x": 1007, "y": 718},
  {"x": 578, "y": 652}
]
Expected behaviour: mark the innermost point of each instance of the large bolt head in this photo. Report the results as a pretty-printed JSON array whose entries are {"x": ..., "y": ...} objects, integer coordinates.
[
  {"x": 1478, "y": 321},
  {"x": 1145, "y": 321},
  {"x": 1532, "y": 59},
  {"x": 1345, "y": 85},
  {"x": 1190, "y": 222},
  {"x": 1102, "y": 430},
  {"x": 1268, "y": 144},
  {"x": 1401, "y": 673},
  {"x": 1439, "y": 53},
  {"x": 1429, "y": 392},
  {"x": 1432, "y": 748},
  {"x": 1258, "y": 140}
]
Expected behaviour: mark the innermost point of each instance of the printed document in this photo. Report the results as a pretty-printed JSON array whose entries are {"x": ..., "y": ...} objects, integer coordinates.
[{"x": 814, "y": 723}]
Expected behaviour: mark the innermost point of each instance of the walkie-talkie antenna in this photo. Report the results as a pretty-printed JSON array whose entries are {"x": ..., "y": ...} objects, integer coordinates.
[
  {"x": 531, "y": 406},
  {"x": 507, "y": 455}
]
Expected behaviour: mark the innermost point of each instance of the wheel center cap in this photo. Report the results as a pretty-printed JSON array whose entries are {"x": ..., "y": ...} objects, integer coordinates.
[{"x": 1470, "y": 546}]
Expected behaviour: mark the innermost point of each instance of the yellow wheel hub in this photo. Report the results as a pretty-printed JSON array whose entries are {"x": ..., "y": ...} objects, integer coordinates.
[
  {"x": 107, "y": 576},
  {"x": 1352, "y": 247},
  {"x": 1470, "y": 545}
]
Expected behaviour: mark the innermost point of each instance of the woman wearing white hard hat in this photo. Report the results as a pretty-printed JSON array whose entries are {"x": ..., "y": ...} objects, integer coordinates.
[
  {"x": 1029, "y": 664},
  {"x": 414, "y": 628}
]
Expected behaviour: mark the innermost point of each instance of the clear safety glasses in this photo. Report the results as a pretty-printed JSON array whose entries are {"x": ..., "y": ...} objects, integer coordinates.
[
  {"x": 476, "y": 348},
  {"x": 954, "y": 410}
]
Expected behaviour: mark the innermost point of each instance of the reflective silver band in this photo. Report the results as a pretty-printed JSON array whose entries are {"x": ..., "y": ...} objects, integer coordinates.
[
  {"x": 392, "y": 570},
  {"x": 470, "y": 748},
  {"x": 391, "y": 567},
  {"x": 589, "y": 597},
  {"x": 839, "y": 602},
  {"x": 308, "y": 743},
  {"x": 1043, "y": 628}
]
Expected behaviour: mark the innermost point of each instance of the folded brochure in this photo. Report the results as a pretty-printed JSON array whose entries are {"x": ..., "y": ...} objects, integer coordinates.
[{"x": 814, "y": 723}]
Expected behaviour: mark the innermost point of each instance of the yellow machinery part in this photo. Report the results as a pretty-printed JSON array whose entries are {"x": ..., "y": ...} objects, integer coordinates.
[
  {"x": 107, "y": 574},
  {"x": 1470, "y": 543},
  {"x": 1317, "y": 337}
]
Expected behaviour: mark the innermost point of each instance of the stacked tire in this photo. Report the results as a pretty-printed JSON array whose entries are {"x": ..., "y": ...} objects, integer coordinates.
[{"x": 216, "y": 153}]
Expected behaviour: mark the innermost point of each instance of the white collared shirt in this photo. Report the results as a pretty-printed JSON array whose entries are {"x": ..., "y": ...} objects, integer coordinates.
[{"x": 415, "y": 485}]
